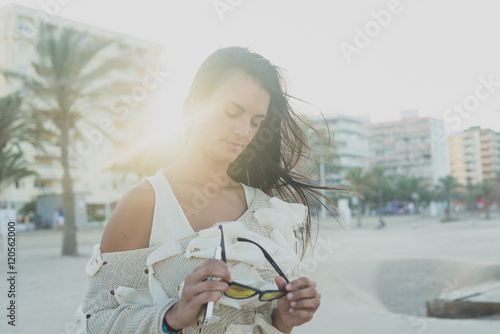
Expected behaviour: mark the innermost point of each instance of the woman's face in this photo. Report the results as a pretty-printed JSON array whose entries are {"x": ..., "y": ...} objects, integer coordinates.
[{"x": 227, "y": 121}]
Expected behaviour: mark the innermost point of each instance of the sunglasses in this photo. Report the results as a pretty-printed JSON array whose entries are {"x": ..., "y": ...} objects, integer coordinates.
[{"x": 242, "y": 291}]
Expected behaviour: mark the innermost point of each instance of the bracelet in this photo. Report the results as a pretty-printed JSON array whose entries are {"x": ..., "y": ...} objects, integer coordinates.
[{"x": 167, "y": 329}]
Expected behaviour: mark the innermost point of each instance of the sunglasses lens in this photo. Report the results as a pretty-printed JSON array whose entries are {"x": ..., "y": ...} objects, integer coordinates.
[
  {"x": 239, "y": 292},
  {"x": 272, "y": 295}
]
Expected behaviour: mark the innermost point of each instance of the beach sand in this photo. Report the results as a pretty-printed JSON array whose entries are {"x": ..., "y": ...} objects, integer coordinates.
[
  {"x": 377, "y": 281},
  {"x": 371, "y": 281}
]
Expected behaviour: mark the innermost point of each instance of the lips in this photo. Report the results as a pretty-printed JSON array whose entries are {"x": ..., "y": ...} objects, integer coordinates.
[{"x": 234, "y": 145}]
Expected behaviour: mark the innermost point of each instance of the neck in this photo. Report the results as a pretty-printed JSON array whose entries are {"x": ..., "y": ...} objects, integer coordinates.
[{"x": 195, "y": 166}]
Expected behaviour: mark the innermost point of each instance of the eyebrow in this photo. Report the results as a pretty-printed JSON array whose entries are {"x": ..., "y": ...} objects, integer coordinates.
[{"x": 243, "y": 109}]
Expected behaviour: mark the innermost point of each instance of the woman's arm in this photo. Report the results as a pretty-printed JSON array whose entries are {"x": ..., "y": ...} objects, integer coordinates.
[
  {"x": 106, "y": 312},
  {"x": 128, "y": 229}
]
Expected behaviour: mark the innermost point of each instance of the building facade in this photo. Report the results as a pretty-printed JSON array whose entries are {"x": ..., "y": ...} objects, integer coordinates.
[
  {"x": 475, "y": 155},
  {"x": 412, "y": 146},
  {"x": 351, "y": 144}
]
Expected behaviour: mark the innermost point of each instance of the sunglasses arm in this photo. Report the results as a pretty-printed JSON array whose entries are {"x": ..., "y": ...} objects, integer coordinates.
[{"x": 268, "y": 257}]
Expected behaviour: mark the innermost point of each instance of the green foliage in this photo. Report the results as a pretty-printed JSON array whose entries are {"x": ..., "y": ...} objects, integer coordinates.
[
  {"x": 448, "y": 188},
  {"x": 16, "y": 126},
  {"x": 28, "y": 208},
  {"x": 13, "y": 168}
]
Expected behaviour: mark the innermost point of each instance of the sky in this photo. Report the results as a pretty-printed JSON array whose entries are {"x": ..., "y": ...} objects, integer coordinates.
[{"x": 362, "y": 57}]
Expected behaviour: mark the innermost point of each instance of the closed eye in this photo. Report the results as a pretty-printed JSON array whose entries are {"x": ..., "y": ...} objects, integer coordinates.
[
  {"x": 235, "y": 115},
  {"x": 231, "y": 115}
]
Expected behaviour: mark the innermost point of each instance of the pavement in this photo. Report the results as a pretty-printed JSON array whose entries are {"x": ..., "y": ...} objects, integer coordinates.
[{"x": 50, "y": 287}]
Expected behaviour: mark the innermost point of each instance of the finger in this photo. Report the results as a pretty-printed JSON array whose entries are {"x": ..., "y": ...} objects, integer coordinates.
[
  {"x": 303, "y": 293},
  {"x": 207, "y": 296},
  {"x": 211, "y": 268},
  {"x": 280, "y": 282},
  {"x": 208, "y": 285},
  {"x": 305, "y": 315},
  {"x": 300, "y": 283},
  {"x": 308, "y": 304},
  {"x": 202, "y": 311}
]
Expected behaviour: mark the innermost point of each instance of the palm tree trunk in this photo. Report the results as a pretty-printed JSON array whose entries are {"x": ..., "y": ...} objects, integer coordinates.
[{"x": 69, "y": 231}]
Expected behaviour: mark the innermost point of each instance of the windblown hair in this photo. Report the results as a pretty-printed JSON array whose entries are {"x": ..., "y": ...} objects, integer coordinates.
[{"x": 272, "y": 160}]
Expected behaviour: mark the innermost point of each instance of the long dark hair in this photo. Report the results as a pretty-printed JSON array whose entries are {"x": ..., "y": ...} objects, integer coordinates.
[{"x": 271, "y": 160}]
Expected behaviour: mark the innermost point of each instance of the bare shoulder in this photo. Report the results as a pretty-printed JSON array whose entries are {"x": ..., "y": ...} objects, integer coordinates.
[{"x": 129, "y": 227}]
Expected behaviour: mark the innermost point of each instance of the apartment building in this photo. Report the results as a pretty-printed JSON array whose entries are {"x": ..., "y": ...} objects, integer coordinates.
[
  {"x": 475, "y": 155},
  {"x": 412, "y": 146},
  {"x": 348, "y": 135}
]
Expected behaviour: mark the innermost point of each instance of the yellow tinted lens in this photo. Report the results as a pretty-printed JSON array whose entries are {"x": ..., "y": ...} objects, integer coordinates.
[
  {"x": 272, "y": 295},
  {"x": 239, "y": 292}
]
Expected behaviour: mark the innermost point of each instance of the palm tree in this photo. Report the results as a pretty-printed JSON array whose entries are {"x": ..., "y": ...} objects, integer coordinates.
[
  {"x": 13, "y": 168},
  {"x": 70, "y": 86},
  {"x": 411, "y": 188},
  {"x": 471, "y": 196},
  {"x": 16, "y": 127},
  {"x": 378, "y": 180},
  {"x": 448, "y": 187},
  {"x": 356, "y": 177},
  {"x": 486, "y": 191}
]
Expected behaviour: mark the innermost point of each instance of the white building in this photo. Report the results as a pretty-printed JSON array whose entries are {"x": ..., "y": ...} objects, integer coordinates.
[{"x": 348, "y": 135}]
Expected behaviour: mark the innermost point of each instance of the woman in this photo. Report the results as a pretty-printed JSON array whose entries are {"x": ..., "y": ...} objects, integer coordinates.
[{"x": 242, "y": 145}]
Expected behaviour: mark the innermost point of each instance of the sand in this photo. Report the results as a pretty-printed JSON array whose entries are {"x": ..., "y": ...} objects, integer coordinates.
[
  {"x": 377, "y": 281},
  {"x": 371, "y": 281}
]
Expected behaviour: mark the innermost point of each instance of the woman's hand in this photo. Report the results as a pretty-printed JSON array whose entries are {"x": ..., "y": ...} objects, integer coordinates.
[
  {"x": 298, "y": 306},
  {"x": 197, "y": 292}
]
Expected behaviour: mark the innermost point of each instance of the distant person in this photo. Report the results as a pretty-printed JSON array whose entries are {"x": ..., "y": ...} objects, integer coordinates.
[
  {"x": 381, "y": 223},
  {"x": 243, "y": 142}
]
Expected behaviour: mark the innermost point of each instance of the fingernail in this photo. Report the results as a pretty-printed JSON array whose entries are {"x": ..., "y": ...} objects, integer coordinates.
[
  {"x": 289, "y": 286},
  {"x": 290, "y": 296},
  {"x": 293, "y": 303},
  {"x": 291, "y": 310}
]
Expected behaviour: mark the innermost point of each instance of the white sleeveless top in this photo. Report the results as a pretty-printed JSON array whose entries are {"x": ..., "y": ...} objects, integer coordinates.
[{"x": 169, "y": 220}]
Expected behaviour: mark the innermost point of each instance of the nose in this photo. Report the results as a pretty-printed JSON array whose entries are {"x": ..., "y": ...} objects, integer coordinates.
[{"x": 242, "y": 127}]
